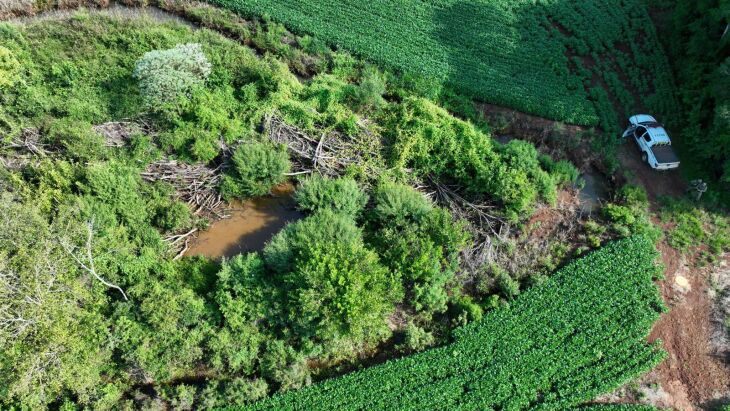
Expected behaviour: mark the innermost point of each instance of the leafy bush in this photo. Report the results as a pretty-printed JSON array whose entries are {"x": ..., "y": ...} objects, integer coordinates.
[
  {"x": 242, "y": 302},
  {"x": 283, "y": 365},
  {"x": 694, "y": 226},
  {"x": 509, "y": 287},
  {"x": 416, "y": 339},
  {"x": 563, "y": 172},
  {"x": 399, "y": 205},
  {"x": 174, "y": 216},
  {"x": 9, "y": 67},
  {"x": 257, "y": 167},
  {"x": 165, "y": 76},
  {"x": 181, "y": 397},
  {"x": 368, "y": 95},
  {"x": 465, "y": 310},
  {"x": 76, "y": 138},
  {"x": 339, "y": 291},
  {"x": 340, "y": 195},
  {"x": 297, "y": 237},
  {"x": 241, "y": 391},
  {"x": 632, "y": 215},
  {"x": 420, "y": 243}
]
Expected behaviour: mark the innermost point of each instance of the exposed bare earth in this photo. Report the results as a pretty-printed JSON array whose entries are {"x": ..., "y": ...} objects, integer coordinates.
[{"x": 694, "y": 376}]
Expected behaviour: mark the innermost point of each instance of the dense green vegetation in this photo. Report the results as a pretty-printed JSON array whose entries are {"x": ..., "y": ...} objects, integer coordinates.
[
  {"x": 375, "y": 267},
  {"x": 561, "y": 60},
  {"x": 559, "y": 344},
  {"x": 84, "y": 234},
  {"x": 696, "y": 38}
]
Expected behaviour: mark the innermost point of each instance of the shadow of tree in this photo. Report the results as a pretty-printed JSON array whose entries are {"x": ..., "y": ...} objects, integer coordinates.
[{"x": 509, "y": 56}]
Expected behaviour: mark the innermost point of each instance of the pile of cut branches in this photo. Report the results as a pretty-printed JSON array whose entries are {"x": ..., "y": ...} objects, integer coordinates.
[
  {"x": 328, "y": 155},
  {"x": 24, "y": 149},
  {"x": 487, "y": 229},
  {"x": 117, "y": 133},
  {"x": 195, "y": 184}
]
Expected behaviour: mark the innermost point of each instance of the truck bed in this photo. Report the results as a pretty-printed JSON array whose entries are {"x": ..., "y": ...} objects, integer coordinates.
[{"x": 665, "y": 154}]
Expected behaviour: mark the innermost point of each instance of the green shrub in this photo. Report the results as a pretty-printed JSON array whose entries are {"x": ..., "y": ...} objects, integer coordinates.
[
  {"x": 465, "y": 310},
  {"x": 257, "y": 167},
  {"x": 420, "y": 264},
  {"x": 242, "y": 300},
  {"x": 240, "y": 391},
  {"x": 166, "y": 76},
  {"x": 340, "y": 195},
  {"x": 416, "y": 339},
  {"x": 563, "y": 172},
  {"x": 419, "y": 243},
  {"x": 281, "y": 364},
  {"x": 509, "y": 287},
  {"x": 297, "y": 237},
  {"x": 181, "y": 397},
  {"x": 77, "y": 139},
  {"x": 9, "y": 67},
  {"x": 173, "y": 216},
  {"x": 399, "y": 205},
  {"x": 368, "y": 95},
  {"x": 695, "y": 225},
  {"x": 634, "y": 196},
  {"x": 338, "y": 291},
  {"x": 632, "y": 215}
]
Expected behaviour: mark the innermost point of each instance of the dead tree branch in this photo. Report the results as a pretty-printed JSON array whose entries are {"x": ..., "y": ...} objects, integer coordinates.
[
  {"x": 329, "y": 154},
  {"x": 29, "y": 140},
  {"x": 89, "y": 266},
  {"x": 486, "y": 228}
]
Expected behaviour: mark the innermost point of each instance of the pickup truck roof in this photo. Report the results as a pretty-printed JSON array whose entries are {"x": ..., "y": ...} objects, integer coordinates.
[
  {"x": 642, "y": 119},
  {"x": 658, "y": 135}
]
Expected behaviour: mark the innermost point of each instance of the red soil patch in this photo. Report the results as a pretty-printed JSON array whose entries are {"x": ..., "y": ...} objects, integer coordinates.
[
  {"x": 692, "y": 375},
  {"x": 656, "y": 183},
  {"x": 547, "y": 135}
]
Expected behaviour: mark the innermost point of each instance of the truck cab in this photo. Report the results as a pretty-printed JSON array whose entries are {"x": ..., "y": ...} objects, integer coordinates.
[{"x": 653, "y": 141}]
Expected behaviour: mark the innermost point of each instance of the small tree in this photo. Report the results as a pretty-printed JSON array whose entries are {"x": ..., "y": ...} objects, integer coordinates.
[
  {"x": 340, "y": 291},
  {"x": 167, "y": 75},
  {"x": 340, "y": 195},
  {"x": 256, "y": 168}
]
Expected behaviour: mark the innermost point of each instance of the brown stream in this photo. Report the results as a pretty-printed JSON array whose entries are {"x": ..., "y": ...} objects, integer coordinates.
[{"x": 251, "y": 224}]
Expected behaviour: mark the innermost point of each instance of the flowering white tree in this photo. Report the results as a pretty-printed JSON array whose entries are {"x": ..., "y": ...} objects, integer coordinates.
[{"x": 167, "y": 75}]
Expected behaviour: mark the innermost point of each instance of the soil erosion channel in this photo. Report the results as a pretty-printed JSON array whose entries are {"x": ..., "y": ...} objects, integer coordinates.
[{"x": 251, "y": 224}]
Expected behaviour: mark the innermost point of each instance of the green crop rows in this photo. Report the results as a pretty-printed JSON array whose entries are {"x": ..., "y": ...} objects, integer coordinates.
[
  {"x": 559, "y": 345},
  {"x": 515, "y": 53}
]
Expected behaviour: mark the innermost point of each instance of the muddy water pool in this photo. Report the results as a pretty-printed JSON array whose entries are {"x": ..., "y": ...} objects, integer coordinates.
[{"x": 251, "y": 225}]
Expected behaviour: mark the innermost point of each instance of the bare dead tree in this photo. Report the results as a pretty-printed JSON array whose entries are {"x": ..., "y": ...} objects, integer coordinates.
[
  {"x": 29, "y": 140},
  {"x": 88, "y": 265}
]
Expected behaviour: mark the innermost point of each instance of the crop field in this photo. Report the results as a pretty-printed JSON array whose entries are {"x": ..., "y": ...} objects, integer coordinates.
[
  {"x": 559, "y": 345},
  {"x": 568, "y": 61}
]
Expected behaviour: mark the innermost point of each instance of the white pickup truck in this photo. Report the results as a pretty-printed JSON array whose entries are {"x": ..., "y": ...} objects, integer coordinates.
[{"x": 653, "y": 141}]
